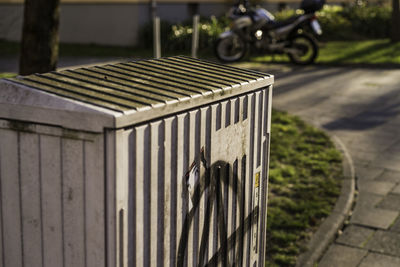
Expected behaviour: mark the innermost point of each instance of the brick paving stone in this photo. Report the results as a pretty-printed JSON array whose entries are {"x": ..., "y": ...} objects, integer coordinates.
[
  {"x": 386, "y": 242},
  {"x": 379, "y": 260},
  {"x": 396, "y": 190},
  {"x": 343, "y": 256},
  {"x": 367, "y": 173},
  {"x": 375, "y": 140},
  {"x": 362, "y": 154},
  {"x": 368, "y": 200},
  {"x": 395, "y": 148},
  {"x": 390, "y": 202},
  {"x": 388, "y": 162},
  {"x": 373, "y": 217},
  {"x": 396, "y": 226},
  {"x": 361, "y": 161},
  {"x": 379, "y": 188},
  {"x": 359, "y": 149},
  {"x": 389, "y": 176},
  {"x": 356, "y": 236}
]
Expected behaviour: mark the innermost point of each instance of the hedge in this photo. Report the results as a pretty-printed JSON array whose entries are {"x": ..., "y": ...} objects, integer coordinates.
[{"x": 354, "y": 22}]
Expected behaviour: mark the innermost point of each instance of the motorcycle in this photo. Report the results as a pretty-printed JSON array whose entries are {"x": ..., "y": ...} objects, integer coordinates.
[{"x": 256, "y": 28}]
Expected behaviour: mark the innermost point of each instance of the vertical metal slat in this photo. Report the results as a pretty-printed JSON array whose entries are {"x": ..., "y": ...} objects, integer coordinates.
[
  {"x": 161, "y": 193},
  {"x": 215, "y": 117},
  {"x": 140, "y": 200},
  {"x": 154, "y": 210},
  {"x": 31, "y": 198},
  {"x": 95, "y": 204},
  {"x": 203, "y": 197},
  {"x": 9, "y": 167},
  {"x": 167, "y": 192},
  {"x": 73, "y": 196},
  {"x": 256, "y": 153},
  {"x": 181, "y": 188},
  {"x": 264, "y": 180},
  {"x": 174, "y": 195},
  {"x": 194, "y": 139},
  {"x": 110, "y": 196},
  {"x": 122, "y": 191},
  {"x": 249, "y": 178}
]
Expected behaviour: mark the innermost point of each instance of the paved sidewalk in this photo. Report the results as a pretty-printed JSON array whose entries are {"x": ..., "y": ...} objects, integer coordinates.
[
  {"x": 10, "y": 63},
  {"x": 362, "y": 107}
]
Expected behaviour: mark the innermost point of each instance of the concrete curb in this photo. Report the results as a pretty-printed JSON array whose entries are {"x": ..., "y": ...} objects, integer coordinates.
[{"x": 327, "y": 231}]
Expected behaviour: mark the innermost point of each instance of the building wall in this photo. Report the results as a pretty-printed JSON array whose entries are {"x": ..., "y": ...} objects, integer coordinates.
[
  {"x": 109, "y": 24},
  {"x": 100, "y": 24},
  {"x": 11, "y": 17},
  {"x": 116, "y": 24}
]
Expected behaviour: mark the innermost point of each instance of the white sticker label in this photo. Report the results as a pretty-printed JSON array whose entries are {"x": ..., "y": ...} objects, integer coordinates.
[{"x": 193, "y": 178}]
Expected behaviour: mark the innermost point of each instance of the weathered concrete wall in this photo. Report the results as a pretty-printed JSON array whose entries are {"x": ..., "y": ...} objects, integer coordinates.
[
  {"x": 116, "y": 24},
  {"x": 100, "y": 24},
  {"x": 112, "y": 24},
  {"x": 11, "y": 17}
]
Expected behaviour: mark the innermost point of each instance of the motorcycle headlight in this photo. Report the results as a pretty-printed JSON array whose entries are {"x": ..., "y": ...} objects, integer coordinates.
[{"x": 259, "y": 34}]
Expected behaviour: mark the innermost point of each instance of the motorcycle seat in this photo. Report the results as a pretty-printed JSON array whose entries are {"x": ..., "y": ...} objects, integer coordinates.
[{"x": 278, "y": 24}]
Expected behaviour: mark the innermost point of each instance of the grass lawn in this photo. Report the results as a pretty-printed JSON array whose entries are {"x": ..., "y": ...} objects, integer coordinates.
[
  {"x": 92, "y": 50},
  {"x": 380, "y": 51},
  {"x": 371, "y": 51},
  {"x": 6, "y": 75},
  {"x": 350, "y": 52},
  {"x": 304, "y": 183}
]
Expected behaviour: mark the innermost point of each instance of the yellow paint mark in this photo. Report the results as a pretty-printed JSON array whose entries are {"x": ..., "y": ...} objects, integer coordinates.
[{"x": 257, "y": 178}]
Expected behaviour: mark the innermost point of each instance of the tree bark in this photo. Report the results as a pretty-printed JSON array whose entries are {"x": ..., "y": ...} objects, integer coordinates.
[
  {"x": 39, "y": 47},
  {"x": 395, "y": 34}
]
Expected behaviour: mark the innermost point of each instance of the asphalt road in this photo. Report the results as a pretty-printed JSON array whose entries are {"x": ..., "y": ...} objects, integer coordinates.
[{"x": 10, "y": 63}]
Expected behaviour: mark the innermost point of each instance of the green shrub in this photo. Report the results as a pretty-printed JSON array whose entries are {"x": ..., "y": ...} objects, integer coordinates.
[
  {"x": 355, "y": 22},
  {"x": 333, "y": 24},
  {"x": 369, "y": 21},
  {"x": 286, "y": 13},
  {"x": 352, "y": 22},
  {"x": 178, "y": 37}
]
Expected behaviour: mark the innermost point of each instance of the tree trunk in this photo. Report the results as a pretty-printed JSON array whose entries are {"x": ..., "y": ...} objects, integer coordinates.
[
  {"x": 39, "y": 48},
  {"x": 395, "y": 21}
]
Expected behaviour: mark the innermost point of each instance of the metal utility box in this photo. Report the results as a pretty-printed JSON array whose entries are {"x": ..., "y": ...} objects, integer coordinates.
[{"x": 150, "y": 163}]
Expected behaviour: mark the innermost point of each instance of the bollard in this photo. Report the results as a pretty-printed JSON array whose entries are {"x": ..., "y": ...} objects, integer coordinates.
[
  {"x": 195, "y": 35},
  {"x": 157, "y": 37}
]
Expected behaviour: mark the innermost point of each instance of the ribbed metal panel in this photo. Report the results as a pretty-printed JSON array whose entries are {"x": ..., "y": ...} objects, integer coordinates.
[
  {"x": 152, "y": 163},
  {"x": 176, "y": 219},
  {"x": 137, "y": 85},
  {"x": 52, "y": 213}
]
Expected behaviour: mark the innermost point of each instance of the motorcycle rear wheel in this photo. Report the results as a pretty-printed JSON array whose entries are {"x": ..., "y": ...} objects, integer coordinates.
[
  {"x": 230, "y": 49},
  {"x": 304, "y": 49}
]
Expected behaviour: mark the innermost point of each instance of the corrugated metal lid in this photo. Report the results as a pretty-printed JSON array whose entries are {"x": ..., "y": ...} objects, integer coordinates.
[{"x": 134, "y": 87}]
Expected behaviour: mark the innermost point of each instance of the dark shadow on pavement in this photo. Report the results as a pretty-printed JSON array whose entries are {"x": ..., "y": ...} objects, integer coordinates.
[
  {"x": 381, "y": 111},
  {"x": 303, "y": 78}
]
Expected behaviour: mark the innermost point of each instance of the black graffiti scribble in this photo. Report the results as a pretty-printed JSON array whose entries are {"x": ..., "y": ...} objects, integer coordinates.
[{"x": 215, "y": 176}]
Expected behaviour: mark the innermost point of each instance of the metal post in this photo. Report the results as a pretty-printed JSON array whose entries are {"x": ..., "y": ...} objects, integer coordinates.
[
  {"x": 156, "y": 37},
  {"x": 153, "y": 9},
  {"x": 195, "y": 35}
]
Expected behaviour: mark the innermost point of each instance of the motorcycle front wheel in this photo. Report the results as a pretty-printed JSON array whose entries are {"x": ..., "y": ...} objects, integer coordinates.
[
  {"x": 303, "y": 49},
  {"x": 230, "y": 48}
]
